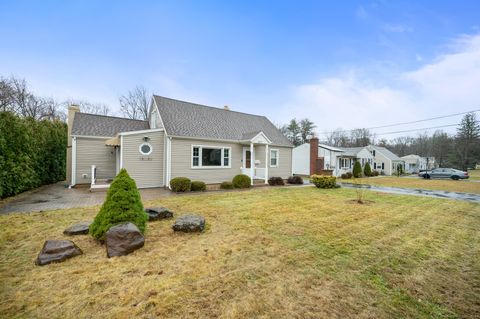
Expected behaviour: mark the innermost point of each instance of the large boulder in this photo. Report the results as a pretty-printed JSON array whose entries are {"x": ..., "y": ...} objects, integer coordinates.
[
  {"x": 77, "y": 229},
  {"x": 123, "y": 239},
  {"x": 157, "y": 213},
  {"x": 57, "y": 251},
  {"x": 189, "y": 223}
]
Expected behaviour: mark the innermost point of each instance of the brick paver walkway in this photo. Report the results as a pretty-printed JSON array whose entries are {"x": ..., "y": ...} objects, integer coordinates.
[{"x": 57, "y": 196}]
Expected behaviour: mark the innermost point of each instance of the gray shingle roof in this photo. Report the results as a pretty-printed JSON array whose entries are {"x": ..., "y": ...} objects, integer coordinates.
[
  {"x": 352, "y": 151},
  {"x": 388, "y": 153},
  {"x": 101, "y": 125},
  {"x": 194, "y": 120}
]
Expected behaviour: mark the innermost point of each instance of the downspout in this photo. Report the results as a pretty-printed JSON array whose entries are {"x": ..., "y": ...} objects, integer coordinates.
[{"x": 74, "y": 161}]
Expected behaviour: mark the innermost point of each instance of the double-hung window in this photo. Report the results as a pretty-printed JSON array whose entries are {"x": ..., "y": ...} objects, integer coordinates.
[
  {"x": 210, "y": 156},
  {"x": 273, "y": 158}
]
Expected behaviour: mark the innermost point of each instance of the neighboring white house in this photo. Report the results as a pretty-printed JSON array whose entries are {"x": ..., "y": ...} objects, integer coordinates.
[
  {"x": 341, "y": 160},
  {"x": 385, "y": 161},
  {"x": 414, "y": 163}
]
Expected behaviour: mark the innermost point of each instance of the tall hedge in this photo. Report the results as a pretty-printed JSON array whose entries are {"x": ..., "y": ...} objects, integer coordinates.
[
  {"x": 32, "y": 153},
  {"x": 123, "y": 204}
]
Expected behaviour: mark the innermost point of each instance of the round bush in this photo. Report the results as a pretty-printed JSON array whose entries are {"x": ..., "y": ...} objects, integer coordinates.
[
  {"x": 123, "y": 204},
  {"x": 241, "y": 181},
  {"x": 276, "y": 181},
  {"x": 226, "y": 185},
  {"x": 321, "y": 181},
  {"x": 180, "y": 184},
  {"x": 295, "y": 179},
  {"x": 349, "y": 175},
  {"x": 344, "y": 176},
  {"x": 198, "y": 186}
]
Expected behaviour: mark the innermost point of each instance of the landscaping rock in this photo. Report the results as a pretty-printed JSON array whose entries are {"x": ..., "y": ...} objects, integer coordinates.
[
  {"x": 157, "y": 213},
  {"x": 77, "y": 229},
  {"x": 189, "y": 223},
  {"x": 57, "y": 251},
  {"x": 123, "y": 239}
]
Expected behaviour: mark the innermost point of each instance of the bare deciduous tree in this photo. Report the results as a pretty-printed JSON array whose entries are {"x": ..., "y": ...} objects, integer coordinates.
[
  {"x": 135, "y": 104},
  {"x": 89, "y": 107}
]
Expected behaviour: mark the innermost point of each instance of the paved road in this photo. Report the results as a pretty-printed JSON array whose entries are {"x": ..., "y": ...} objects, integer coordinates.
[
  {"x": 418, "y": 192},
  {"x": 57, "y": 196}
]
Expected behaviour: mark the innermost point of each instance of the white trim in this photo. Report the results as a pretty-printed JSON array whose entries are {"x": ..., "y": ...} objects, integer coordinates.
[
  {"x": 242, "y": 142},
  {"x": 278, "y": 157},
  {"x": 201, "y": 147},
  {"x": 140, "y": 148},
  {"x": 159, "y": 115},
  {"x": 164, "y": 159},
  {"x": 121, "y": 151},
  {"x": 266, "y": 165},
  {"x": 94, "y": 137},
  {"x": 74, "y": 160},
  {"x": 253, "y": 139},
  {"x": 252, "y": 162},
  {"x": 141, "y": 132}
]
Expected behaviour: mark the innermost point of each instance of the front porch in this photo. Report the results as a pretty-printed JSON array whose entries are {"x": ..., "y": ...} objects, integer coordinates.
[{"x": 256, "y": 158}]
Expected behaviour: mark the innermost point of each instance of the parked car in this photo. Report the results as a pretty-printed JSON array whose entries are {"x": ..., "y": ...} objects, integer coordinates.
[{"x": 452, "y": 173}]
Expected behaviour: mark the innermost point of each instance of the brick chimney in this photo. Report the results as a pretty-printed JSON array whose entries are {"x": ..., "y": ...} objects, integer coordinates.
[
  {"x": 313, "y": 155},
  {"x": 72, "y": 109},
  {"x": 226, "y": 107}
]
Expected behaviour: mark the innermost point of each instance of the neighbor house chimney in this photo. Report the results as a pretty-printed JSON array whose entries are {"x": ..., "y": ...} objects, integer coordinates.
[
  {"x": 72, "y": 109},
  {"x": 313, "y": 155},
  {"x": 226, "y": 108}
]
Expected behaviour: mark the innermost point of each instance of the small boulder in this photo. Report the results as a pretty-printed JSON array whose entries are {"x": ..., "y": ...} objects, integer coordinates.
[
  {"x": 123, "y": 239},
  {"x": 157, "y": 213},
  {"x": 189, "y": 223},
  {"x": 57, "y": 251},
  {"x": 77, "y": 229}
]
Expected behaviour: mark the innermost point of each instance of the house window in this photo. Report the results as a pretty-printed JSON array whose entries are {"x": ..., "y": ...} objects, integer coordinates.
[
  {"x": 273, "y": 158},
  {"x": 373, "y": 152},
  {"x": 203, "y": 156},
  {"x": 145, "y": 149},
  {"x": 383, "y": 165}
]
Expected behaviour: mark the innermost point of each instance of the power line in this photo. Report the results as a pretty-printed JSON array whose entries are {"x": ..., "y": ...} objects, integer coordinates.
[
  {"x": 418, "y": 129},
  {"x": 405, "y": 123}
]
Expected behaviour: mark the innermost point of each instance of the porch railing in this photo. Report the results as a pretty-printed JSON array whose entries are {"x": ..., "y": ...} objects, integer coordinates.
[{"x": 258, "y": 172}]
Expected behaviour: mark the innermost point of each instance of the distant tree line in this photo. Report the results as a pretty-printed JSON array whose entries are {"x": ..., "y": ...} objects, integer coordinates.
[{"x": 298, "y": 132}]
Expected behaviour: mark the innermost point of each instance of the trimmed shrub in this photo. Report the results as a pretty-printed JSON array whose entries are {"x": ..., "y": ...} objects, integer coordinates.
[
  {"x": 349, "y": 175},
  {"x": 357, "y": 169},
  {"x": 375, "y": 173},
  {"x": 276, "y": 181},
  {"x": 295, "y": 179},
  {"x": 343, "y": 176},
  {"x": 180, "y": 184},
  {"x": 198, "y": 186},
  {"x": 322, "y": 181},
  {"x": 226, "y": 185},
  {"x": 367, "y": 170},
  {"x": 241, "y": 181},
  {"x": 123, "y": 204}
]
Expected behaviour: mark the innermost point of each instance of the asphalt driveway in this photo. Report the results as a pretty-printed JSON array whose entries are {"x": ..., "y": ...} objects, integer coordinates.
[{"x": 57, "y": 196}]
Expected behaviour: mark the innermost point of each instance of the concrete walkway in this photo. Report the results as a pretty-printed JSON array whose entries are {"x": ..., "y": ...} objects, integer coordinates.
[{"x": 57, "y": 196}]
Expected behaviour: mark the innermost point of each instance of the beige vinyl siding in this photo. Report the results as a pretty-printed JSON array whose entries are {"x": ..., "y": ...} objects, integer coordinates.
[
  {"x": 93, "y": 151},
  {"x": 146, "y": 170},
  {"x": 181, "y": 161},
  {"x": 284, "y": 167}
]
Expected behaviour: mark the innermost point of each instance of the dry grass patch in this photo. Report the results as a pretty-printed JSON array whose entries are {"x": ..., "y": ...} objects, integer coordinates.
[
  {"x": 463, "y": 186},
  {"x": 277, "y": 252}
]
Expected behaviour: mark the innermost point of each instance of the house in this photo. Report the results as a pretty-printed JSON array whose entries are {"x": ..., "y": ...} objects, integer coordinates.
[
  {"x": 178, "y": 139},
  {"x": 414, "y": 163},
  {"x": 315, "y": 158},
  {"x": 326, "y": 155},
  {"x": 385, "y": 161}
]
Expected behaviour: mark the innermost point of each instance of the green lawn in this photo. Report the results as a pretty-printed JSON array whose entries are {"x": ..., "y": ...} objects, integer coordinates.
[{"x": 274, "y": 252}]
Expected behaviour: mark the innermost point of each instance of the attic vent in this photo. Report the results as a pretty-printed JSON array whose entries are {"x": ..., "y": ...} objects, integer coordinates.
[{"x": 226, "y": 108}]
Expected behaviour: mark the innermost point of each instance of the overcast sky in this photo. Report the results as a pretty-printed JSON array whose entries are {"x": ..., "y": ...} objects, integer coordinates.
[{"x": 349, "y": 64}]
